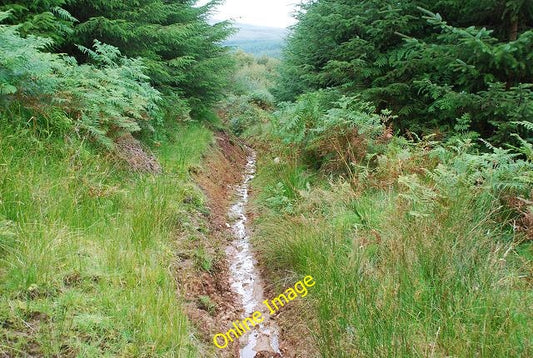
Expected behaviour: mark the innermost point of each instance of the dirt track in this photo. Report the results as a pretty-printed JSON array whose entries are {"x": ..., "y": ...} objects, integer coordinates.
[
  {"x": 223, "y": 168},
  {"x": 222, "y": 172}
]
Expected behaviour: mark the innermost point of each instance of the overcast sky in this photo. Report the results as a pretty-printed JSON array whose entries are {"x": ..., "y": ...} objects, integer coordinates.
[{"x": 274, "y": 13}]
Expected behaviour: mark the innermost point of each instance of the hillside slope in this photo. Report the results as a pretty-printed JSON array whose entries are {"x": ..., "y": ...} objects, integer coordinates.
[{"x": 258, "y": 40}]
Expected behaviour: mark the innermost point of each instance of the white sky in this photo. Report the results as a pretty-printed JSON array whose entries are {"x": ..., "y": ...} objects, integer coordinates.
[{"x": 273, "y": 13}]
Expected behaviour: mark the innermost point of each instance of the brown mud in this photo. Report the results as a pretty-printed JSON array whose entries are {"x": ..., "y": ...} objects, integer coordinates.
[
  {"x": 212, "y": 302},
  {"x": 245, "y": 277}
]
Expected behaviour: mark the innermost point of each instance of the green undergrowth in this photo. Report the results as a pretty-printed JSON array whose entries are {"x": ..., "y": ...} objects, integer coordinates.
[
  {"x": 87, "y": 247},
  {"x": 415, "y": 255}
]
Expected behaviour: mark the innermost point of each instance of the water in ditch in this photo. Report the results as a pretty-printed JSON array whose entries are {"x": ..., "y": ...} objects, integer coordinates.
[{"x": 245, "y": 277}]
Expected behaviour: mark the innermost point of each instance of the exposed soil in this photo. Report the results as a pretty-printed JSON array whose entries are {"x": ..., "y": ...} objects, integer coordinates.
[
  {"x": 210, "y": 302},
  {"x": 223, "y": 172},
  {"x": 246, "y": 278}
]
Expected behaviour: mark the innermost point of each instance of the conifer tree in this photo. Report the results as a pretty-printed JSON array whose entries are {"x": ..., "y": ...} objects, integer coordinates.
[
  {"x": 182, "y": 52},
  {"x": 42, "y": 18},
  {"x": 439, "y": 65}
]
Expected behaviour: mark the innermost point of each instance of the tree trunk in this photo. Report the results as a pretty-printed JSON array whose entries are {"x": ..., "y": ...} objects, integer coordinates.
[{"x": 513, "y": 34}]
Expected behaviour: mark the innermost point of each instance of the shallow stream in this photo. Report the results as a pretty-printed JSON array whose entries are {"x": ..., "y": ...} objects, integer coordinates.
[{"x": 245, "y": 277}]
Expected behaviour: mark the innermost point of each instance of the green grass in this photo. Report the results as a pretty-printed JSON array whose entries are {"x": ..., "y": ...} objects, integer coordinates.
[
  {"x": 399, "y": 275},
  {"x": 87, "y": 248}
]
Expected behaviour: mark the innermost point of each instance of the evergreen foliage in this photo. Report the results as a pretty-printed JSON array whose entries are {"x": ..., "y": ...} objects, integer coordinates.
[
  {"x": 43, "y": 18},
  {"x": 468, "y": 71},
  {"x": 105, "y": 99},
  {"x": 182, "y": 52}
]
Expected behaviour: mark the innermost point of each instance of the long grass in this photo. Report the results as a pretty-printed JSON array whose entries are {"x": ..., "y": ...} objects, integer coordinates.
[
  {"x": 87, "y": 248},
  {"x": 399, "y": 276}
]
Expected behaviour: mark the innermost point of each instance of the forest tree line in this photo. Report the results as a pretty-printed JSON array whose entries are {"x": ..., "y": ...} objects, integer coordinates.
[
  {"x": 442, "y": 67},
  {"x": 111, "y": 67}
]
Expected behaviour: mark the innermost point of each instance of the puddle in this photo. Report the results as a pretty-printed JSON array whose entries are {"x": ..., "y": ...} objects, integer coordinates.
[{"x": 245, "y": 278}]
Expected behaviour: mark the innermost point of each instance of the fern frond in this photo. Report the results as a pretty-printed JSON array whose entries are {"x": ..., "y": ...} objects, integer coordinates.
[
  {"x": 525, "y": 124},
  {"x": 63, "y": 14},
  {"x": 4, "y": 15}
]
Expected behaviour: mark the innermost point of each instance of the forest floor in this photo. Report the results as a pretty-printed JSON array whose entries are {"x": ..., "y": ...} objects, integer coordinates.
[
  {"x": 88, "y": 247},
  {"x": 86, "y": 270}
]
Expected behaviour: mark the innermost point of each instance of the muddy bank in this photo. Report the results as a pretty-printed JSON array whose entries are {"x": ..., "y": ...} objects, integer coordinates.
[
  {"x": 203, "y": 269},
  {"x": 232, "y": 288},
  {"x": 245, "y": 277}
]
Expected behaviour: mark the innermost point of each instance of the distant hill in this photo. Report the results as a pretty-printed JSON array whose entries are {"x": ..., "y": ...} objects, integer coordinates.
[{"x": 258, "y": 40}]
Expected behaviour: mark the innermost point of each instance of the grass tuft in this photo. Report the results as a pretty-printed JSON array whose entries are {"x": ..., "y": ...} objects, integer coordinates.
[
  {"x": 420, "y": 267},
  {"x": 86, "y": 248}
]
